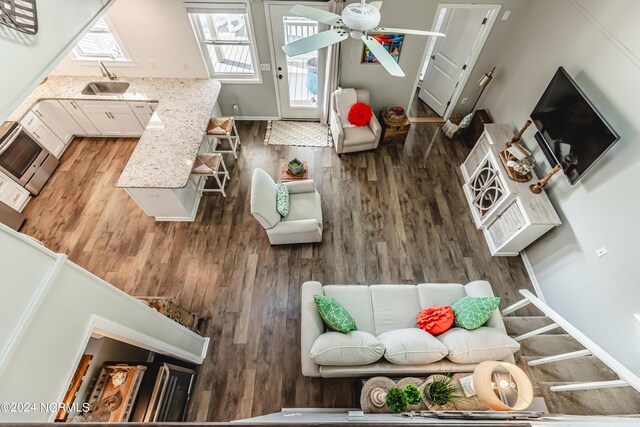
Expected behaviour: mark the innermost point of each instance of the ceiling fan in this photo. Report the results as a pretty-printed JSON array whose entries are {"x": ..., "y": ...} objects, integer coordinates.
[{"x": 356, "y": 21}]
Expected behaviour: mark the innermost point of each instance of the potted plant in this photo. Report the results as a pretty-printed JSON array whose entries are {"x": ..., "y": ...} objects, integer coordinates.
[
  {"x": 413, "y": 394},
  {"x": 441, "y": 392},
  {"x": 397, "y": 400}
]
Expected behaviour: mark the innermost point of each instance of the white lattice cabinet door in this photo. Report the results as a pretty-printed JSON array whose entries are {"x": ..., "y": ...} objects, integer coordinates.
[{"x": 510, "y": 216}]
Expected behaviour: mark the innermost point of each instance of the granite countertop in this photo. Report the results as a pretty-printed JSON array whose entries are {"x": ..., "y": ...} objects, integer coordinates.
[{"x": 167, "y": 149}]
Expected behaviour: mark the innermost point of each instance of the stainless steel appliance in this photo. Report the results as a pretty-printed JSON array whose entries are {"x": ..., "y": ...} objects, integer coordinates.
[{"x": 23, "y": 159}]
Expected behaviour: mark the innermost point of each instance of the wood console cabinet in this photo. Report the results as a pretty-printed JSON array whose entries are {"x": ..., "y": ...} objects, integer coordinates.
[{"x": 510, "y": 216}]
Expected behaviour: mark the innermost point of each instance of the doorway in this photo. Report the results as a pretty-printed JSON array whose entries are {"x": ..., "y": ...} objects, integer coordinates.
[
  {"x": 450, "y": 59},
  {"x": 299, "y": 80}
]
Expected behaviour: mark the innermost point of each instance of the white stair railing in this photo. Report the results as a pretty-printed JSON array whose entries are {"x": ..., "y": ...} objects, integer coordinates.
[{"x": 626, "y": 377}]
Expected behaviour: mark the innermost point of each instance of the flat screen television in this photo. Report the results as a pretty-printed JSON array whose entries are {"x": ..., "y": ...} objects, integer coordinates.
[{"x": 571, "y": 131}]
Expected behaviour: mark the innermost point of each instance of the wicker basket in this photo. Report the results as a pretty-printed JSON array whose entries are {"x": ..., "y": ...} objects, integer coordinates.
[{"x": 396, "y": 114}]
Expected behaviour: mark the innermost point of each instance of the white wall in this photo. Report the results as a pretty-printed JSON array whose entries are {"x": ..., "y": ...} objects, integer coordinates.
[
  {"x": 26, "y": 60},
  {"x": 157, "y": 36},
  {"x": 50, "y": 308},
  {"x": 599, "y": 45},
  {"x": 419, "y": 14}
]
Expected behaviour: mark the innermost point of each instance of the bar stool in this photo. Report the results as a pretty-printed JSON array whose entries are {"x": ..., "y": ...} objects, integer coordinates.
[
  {"x": 220, "y": 128},
  {"x": 211, "y": 164}
]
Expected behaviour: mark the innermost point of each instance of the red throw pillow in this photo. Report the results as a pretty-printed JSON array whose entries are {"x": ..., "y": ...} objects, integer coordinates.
[
  {"x": 435, "y": 320},
  {"x": 360, "y": 114}
]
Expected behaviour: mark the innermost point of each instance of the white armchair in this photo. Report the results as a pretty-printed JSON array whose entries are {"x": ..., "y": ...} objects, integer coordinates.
[
  {"x": 352, "y": 139},
  {"x": 303, "y": 224}
]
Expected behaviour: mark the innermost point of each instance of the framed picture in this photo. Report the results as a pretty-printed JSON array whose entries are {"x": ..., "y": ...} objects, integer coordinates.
[{"x": 391, "y": 42}]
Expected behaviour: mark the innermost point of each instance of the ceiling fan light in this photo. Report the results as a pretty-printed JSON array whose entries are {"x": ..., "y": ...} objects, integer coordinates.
[{"x": 361, "y": 16}]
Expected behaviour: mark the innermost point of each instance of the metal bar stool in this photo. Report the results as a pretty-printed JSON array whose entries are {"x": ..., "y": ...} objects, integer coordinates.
[
  {"x": 211, "y": 164},
  {"x": 220, "y": 128}
]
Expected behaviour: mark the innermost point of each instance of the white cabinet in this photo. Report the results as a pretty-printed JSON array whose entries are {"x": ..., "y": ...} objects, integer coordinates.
[
  {"x": 143, "y": 110},
  {"x": 87, "y": 128},
  {"x": 13, "y": 194},
  {"x": 510, "y": 216},
  {"x": 111, "y": 118},
  {"x": 43, "y": 134},
  {"x": 57, "y": 119}
]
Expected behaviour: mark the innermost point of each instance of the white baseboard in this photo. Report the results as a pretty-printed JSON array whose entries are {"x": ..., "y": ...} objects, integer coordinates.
[
  {"x": 256, "y": 118},
  {"x": 532, "y": 276}
]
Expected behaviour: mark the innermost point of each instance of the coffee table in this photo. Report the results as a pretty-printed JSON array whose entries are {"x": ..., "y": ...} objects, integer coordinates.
[{"x": 285, "y": 175}]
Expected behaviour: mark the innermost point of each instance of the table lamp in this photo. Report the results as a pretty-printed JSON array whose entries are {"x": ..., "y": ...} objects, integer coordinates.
[{"x": 501, "y": 386}]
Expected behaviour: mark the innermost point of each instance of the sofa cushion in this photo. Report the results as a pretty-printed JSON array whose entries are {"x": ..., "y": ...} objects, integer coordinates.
[
  {"x": 478, "y": 345},
  {"x": 357, "y": 300},
  {"x": 352, "y": 349},
  {"x": 394, "y": 307},
  {"x": 412, "y": 346},
  {"x": 358, "y": 135},
  {"x": 304, "y": 206},
  {"x": 439, "y": 294},
  {"x": 471, "y": 313}
]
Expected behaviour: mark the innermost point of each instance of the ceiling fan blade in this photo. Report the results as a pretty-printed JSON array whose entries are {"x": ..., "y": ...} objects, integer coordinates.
[
  {"x": 315, "y": 42},
  {"x": 317, "y": 15},
  {"x": 407, "y": 31},
  {"x": 383, "y": 56},
  {"x": 376, "y": 4}
]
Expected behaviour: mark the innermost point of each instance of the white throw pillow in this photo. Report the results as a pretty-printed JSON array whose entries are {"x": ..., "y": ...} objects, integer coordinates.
[
  {"x": 352, "y": 349},
  {"x": 412, "y": 346},
  {"x": 478, "y": 345},
  {"x": 345, "y": 98}
]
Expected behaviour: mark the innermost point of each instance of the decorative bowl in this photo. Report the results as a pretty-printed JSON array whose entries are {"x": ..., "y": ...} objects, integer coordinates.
[{"x": 296, "y": 167}]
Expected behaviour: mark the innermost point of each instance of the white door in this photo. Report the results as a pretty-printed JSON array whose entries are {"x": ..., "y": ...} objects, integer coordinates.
[
  {"x": 300, "y": 79},
  {"x": 450, "y": 55}
]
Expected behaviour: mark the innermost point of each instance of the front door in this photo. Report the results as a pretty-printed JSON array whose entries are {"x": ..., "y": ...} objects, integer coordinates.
[
  {"x": 300, "y": 79},
  {"x": 450, "y": 55}
]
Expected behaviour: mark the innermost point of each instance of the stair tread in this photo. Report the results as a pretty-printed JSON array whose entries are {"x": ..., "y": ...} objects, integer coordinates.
[
  {"x": 518, "y": 325},
  {"x": 548, "y": 345},
  {"x": 587, "y": 368},
  {"x": 623, "y": 401}
]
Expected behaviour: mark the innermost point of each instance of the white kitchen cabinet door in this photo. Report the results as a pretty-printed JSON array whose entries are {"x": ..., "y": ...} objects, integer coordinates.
[
  {"x": 112, "y": 118},
  {"x": 143, "y": 110},
  {"x": 57, "y": 119},
  {"x": 42, "y": 134},
  {"x": 85, "y": 124},
  {"x": 12, "y": 194}
]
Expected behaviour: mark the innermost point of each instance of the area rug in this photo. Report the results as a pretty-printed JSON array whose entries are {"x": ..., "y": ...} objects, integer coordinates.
[{"x": 305, "y": 134}]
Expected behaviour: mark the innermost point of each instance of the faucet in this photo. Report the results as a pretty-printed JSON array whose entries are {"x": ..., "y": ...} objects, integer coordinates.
[{"x": 105, "y": 72}]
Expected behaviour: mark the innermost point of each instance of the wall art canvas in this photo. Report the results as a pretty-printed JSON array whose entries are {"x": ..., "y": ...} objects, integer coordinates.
[{"x": 391, "y": 42}]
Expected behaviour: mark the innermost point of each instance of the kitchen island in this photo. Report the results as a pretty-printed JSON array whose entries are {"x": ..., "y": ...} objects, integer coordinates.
[{"x": 158, "y": 173}]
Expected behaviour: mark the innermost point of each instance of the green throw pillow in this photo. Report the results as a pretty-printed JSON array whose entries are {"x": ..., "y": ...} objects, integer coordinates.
[
  {"x": 466, "y": 121},
  {"x": 471, "y": 313},
  {"x": 334, "y": 315},
  {"x": 282, "y": 199}
]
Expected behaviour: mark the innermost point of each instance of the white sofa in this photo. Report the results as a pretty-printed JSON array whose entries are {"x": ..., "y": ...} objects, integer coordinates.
[
  {"x": 303, "y": 224},
  {"x": 383, "y": 310}
]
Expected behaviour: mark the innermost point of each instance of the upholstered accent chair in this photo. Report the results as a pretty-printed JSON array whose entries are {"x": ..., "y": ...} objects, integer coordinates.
[
  {"x": 352, "y": 139},
  {"x": 303, "y": 224}
]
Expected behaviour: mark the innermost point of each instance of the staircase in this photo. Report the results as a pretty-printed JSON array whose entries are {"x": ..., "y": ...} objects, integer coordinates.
[{"x": 570, "y": 378}]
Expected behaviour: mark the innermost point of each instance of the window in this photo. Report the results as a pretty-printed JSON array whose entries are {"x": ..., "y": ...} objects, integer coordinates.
[
  {"x": 99, "y": 43},
  {"x": 226, "y": 39}
]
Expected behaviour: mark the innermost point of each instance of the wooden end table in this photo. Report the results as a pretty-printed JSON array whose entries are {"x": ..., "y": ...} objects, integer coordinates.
[
  {"x": 393, "y": 132},
  {"x": 285, "y": 175}
]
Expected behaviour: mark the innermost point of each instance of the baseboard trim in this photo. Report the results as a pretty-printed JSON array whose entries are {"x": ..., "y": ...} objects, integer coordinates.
[
  {"x": 532, "y": 276},
  {"x": 256, "y": 118}
]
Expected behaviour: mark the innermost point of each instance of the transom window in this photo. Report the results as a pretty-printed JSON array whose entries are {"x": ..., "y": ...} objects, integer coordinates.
[
  {"x": 99, "y": 43},
  {"x": 225, "y": 36}
]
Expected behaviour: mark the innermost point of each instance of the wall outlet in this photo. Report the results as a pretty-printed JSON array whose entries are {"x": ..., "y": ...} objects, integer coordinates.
[
  {"x": 236, "y": 108},
  {"x": 506, "y": 15},
  {"x": 464, "y": 101},
  {"x": 601, "y": 252},
  {"x": 265, "y": 67}
]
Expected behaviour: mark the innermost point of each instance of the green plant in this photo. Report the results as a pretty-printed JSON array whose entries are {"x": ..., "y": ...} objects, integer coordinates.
[
  {"x": 397, "y": 400},
  {"x": 442, "y": 391},
  {"x": 413, "y": 394}
]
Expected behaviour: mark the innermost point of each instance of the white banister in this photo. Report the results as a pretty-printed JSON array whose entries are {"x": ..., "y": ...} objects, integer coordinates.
[
  {"x": 539, "y": 331},
  {"x": 559, "y": 357},
  {"x": 517, "y": 306},
  {"x": 590, "y": 385},
  {"x": 626, "y": 376}
]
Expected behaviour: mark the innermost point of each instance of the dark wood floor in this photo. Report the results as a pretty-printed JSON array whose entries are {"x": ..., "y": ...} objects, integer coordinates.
[{"x": 396, "y": 215}]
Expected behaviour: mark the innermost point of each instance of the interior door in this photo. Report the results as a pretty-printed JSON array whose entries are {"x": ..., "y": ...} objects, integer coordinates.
[
  {"x": 300, "y": 79},
  {"x": 450, "y": 54}
]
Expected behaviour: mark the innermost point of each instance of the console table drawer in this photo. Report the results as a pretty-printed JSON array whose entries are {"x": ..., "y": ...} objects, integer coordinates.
[{"x": 507, "y": 224}]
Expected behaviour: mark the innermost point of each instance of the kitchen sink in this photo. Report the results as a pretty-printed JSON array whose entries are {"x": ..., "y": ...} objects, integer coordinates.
[{"x": 105, "y": 88}]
